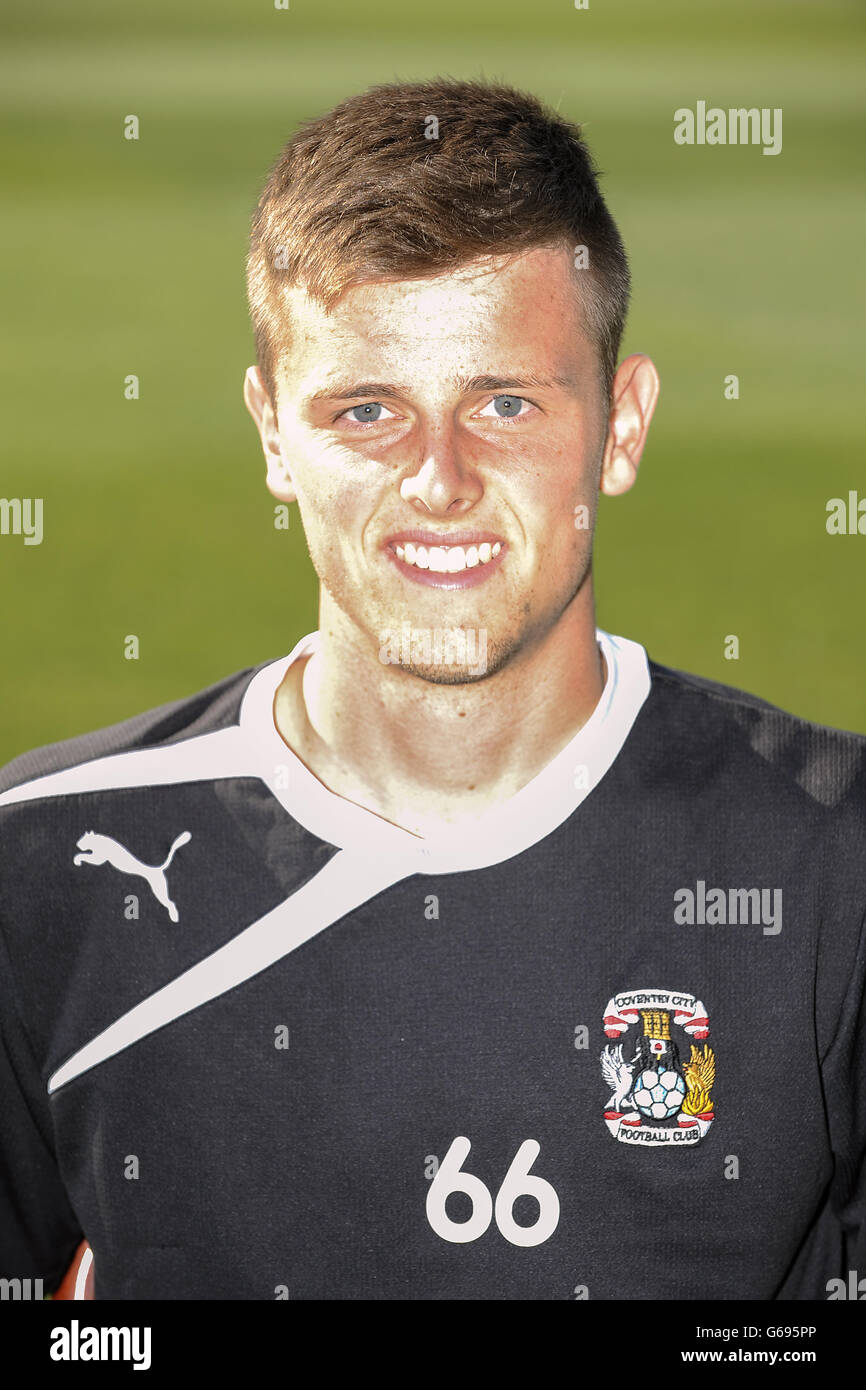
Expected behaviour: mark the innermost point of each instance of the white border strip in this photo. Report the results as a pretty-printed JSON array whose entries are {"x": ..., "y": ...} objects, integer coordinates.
[
  {"x": 343, "y": 884},
  {"x": 489, "y": 838},
  {"x": 81, "y": 1276},
  {"x": 204, "y": 758}
]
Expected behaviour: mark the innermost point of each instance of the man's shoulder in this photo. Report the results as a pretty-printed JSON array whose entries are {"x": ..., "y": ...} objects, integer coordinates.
[
  {"x": 829, "y": 764},
  {"x": 209, "y": 710}
]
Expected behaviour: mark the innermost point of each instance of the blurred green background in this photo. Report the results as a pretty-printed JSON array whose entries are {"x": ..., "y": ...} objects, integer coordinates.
[{"x": 127, "y": 257}]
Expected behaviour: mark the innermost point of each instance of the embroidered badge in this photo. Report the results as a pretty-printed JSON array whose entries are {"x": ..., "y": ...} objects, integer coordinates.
[{"x": 657, "y": 1098}]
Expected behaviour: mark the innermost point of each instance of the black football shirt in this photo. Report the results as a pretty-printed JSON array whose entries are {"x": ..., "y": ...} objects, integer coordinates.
[{"x": 259, "y": 1043}]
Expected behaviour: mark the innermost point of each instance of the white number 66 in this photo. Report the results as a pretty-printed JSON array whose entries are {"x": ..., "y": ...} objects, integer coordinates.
[{"x": 518, "y": 1182}]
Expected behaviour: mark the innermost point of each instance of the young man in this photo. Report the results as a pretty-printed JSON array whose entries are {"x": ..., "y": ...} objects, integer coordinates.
[{"x": 463, "y": 952}]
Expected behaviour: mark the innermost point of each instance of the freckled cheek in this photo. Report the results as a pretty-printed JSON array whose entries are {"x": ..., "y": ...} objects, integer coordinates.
[
  {"x": 549, "y": 500},
  {"x": 336, "y": 518}
]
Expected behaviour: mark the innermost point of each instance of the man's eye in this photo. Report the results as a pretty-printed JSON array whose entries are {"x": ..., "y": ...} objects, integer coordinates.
[
  {"x": 504, "y": 407},
  {"x": 367, "y": 414}
]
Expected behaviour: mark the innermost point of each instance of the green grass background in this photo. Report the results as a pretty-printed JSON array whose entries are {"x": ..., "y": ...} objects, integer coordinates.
[{"x": 127, "y": 257}]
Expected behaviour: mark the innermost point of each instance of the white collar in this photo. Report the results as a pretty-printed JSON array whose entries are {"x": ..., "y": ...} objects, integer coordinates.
[{"x": 499, "y": 833}]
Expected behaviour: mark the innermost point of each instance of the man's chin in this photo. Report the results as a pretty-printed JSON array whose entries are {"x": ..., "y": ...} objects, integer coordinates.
[
  {"x": 444, "y": 656},
  {"x": 445, "y": 675}
]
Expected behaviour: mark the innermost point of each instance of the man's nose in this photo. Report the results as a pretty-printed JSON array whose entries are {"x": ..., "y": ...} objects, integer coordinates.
[{"x": 445, "y": 481}]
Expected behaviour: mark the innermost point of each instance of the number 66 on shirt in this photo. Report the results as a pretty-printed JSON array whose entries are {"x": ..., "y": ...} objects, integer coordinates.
[{"x": 518, "y": 1182}]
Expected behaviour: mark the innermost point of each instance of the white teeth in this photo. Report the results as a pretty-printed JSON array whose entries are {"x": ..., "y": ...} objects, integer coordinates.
[{"x": 450, "y": 559}]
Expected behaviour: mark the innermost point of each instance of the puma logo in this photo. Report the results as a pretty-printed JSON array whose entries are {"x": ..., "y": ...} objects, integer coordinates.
[{"x": 101, "y": 849}]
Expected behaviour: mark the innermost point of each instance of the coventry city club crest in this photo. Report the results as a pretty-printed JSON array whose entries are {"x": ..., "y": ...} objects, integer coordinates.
[{"x": 656, "y": 1096}]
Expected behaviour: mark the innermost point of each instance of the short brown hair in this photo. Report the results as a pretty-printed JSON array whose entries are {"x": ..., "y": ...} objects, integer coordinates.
[{"x": 363, "y": 193}]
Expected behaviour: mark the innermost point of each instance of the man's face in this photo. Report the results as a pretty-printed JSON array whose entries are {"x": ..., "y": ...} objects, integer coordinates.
[{"x": 440, "y": 436}]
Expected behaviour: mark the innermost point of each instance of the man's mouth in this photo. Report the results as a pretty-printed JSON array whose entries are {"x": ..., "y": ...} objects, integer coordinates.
[
  {"x": 462, "y": 559},
  {"x": 450, "y": 559}
]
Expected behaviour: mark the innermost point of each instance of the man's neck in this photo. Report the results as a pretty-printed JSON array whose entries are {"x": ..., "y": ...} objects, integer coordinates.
[{"x": 422, "y": 754}]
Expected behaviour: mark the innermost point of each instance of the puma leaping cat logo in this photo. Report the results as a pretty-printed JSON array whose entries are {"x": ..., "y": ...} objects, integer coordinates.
[{"x": 101, "y": 849}]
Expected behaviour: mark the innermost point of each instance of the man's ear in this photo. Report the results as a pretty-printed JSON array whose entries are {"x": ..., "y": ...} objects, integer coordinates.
[
  {"x": 634, "y": 395},
  {"x": 278, "y": 477}
]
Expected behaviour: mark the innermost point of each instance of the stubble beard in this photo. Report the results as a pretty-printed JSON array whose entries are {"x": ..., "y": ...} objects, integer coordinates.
[{"x": 448, "y": 654}]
